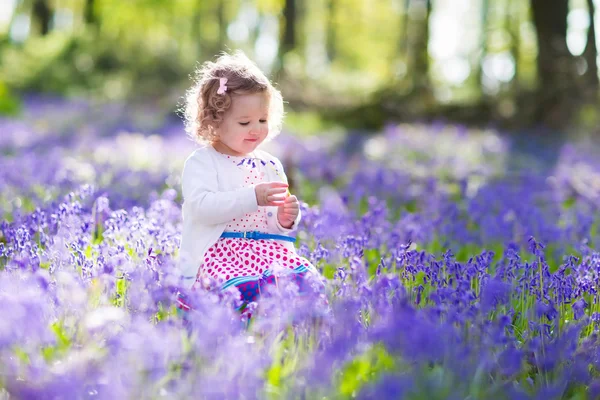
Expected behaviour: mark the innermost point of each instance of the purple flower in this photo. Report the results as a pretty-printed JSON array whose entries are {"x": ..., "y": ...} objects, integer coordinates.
[
  {"x": 594, "y": 389},
  {"x": 546, "y": 309},
  {"x": 579, "y": 308},
  {"x": 510, "y": 361},
  {"x": 494, "y": 293},
  {"x": 388, "y": 387}
]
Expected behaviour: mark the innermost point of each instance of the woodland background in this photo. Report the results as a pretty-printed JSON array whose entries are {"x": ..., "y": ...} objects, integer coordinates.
[{"x": 360, "y": 63}]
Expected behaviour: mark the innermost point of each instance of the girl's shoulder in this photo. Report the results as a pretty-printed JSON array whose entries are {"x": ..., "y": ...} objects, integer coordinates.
[
  {"x": 200, "y": 159},
  {"x": 201, "y": 154}
]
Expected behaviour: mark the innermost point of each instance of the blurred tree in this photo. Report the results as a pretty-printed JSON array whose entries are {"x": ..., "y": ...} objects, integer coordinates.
[
  {"x": 89, "y": 13},
  {"x": 421, "y": 48},
  {"x": 42, "y": 15},
  {"x": 513, "y": 27},
  {"x": 483, "y": 39},
  {"x": 330, "y": 30},
  {"x": 590, "y": 55},
  {"x": 288, "y": 39},
  {"x": 556, "y": 67},
  {"x": 403, "y": 46},
  {"x": 418, "y": 42}
]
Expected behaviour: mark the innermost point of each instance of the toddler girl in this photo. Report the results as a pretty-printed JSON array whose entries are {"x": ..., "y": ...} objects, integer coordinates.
[{"x": 237, "y": 211}]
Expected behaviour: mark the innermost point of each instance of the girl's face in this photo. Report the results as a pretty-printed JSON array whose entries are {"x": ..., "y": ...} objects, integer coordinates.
[{"x": 245, "y": 124}]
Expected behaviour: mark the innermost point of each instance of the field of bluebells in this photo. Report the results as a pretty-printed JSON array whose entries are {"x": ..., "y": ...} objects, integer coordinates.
[{"x": 456, "y": 268}]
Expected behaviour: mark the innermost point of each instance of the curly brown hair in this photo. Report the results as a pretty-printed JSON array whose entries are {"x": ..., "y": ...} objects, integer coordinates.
[{"x": 204, "y": 108}]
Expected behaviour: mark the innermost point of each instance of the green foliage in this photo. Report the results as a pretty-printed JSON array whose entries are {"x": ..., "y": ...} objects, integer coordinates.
[
  {"x": 286, "y": 351},
  {"x": 307, "y": 123},
  {"x": 85, "y": 64},
  {"x": 63, "y": 342},
  {"x": 9, "y": 104},
  {"x": 369, "y": 115},
  {"x": 359, "y": 63},
  {"x": 121, "y": 292},
  {"x": 363, "y": 369},
  {"x": 21, "y": 355},
  {"x": 372, "y": 257},
  {"x": 328, "y": 270}
]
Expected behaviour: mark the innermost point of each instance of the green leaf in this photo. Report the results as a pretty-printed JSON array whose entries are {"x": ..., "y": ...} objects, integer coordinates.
[
  {"x": 365, "y": 368},
  {"x": 329, "y": 271},
  {"x": 420, "y": 278},
  {"x": 22, "y": 355}
]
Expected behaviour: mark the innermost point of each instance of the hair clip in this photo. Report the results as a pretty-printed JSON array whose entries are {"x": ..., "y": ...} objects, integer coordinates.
[{"x": 222, "y": 86}]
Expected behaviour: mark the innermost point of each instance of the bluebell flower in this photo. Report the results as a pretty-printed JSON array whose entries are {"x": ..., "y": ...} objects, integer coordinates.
[
  {"x": 579, "y": 308},
  {"x": 494, "y": 293}
]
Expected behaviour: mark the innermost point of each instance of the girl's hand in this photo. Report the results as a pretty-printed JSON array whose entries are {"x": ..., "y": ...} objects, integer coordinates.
[
  {"x": 287, "y": 213},
  {"x": 270, "y": 193}
]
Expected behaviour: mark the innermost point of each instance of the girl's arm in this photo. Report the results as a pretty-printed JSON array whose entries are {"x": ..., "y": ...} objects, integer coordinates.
[{"x": 205, "y": 202}]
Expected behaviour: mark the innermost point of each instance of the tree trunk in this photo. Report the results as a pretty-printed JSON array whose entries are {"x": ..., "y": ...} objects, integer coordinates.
[
  {"x": 420, "y": 50},
  {"x": 513, "y": 25},
  {"x": 330, "y": 30},
  {"x": 42, "y": 14},
  {"x": 483, "y": 38},
  {"x": 591, "y": 54},
  {"x": 404, "y": 35},
  {"x": 288, "y": 39},
  {"x": 401, "y": 74},
  {"x": 555, "y": 64},
  {"x": 89, "y": 13}
]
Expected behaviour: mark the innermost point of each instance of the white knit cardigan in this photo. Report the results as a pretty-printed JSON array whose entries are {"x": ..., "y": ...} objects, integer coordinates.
[{"x": 214, "y": 194}]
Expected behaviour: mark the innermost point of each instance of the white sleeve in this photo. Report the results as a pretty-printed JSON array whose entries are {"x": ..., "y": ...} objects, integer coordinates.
[{"x": 203, "y": 201}]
